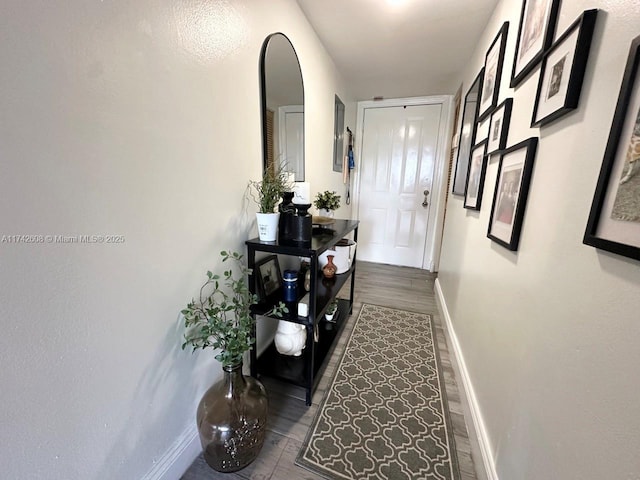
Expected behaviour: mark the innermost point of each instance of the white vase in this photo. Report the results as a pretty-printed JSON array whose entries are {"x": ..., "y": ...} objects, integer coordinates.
[
  {"x": 290, "y": 338},
  {"x": 268, "y": 226}
]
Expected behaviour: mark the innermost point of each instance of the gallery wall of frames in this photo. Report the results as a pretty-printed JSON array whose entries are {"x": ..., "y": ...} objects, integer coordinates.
[{"x": 557, "y": 61}]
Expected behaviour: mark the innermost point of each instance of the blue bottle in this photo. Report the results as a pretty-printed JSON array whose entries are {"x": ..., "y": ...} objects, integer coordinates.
[{"x": 290, "y": 280}]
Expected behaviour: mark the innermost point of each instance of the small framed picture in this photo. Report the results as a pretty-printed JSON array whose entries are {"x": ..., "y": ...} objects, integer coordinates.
[
  {"x": 535, "y": 34},
  {"x": 268, "y": 278},
  {"x": 614, "y": 219},
  {"x": 510, "y": 195},
  {"x": 475, "y": 178},
  {"x": 562, "y": 71},
  {"x": 493, "y": 72},
  {"x": 499, "y": 126},
  {"x": 467, "y": 134}
]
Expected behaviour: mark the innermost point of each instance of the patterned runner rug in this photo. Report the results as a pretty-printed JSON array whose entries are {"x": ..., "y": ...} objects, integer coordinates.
[{"x": 385, "y": 415}]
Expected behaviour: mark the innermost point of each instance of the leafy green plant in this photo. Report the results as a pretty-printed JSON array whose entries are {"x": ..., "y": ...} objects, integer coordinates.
[
  {"x": 268, "y": 191},
  {"x": 327, "y": 200},
  {"x": 331, "y": 309},
  {"x": 221, "y": 318}
]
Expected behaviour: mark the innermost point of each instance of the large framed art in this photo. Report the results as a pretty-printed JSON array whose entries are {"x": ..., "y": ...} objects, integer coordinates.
[
  {"x": 475, "y": 178},
  {"x": 614, "y": 219},
  {"x": 493, "y": 72},
  {"x": 510, "y": 195},
  {"x": 562, "y": 71},
  {"x": 467, "y": 134},
  {"x": 535, "y": 35}
]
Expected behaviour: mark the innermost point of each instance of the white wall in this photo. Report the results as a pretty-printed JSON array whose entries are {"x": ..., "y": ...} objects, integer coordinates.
[
  {"x": 550, "y": 334},
  {"x": 139, "y": 119}
]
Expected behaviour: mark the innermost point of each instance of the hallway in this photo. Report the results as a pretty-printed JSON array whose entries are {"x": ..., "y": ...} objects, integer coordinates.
[{"x": 289, "y": 419}]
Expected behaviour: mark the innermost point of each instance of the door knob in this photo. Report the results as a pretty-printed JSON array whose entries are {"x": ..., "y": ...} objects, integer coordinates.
[{"x": 425, "y": 203}]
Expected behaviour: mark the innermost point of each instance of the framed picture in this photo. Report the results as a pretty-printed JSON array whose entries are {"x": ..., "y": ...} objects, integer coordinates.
[
  {"x": 535, "y": 34},
  {"x": 467, "y": 134},
  {"x": 499, "y": 126},
  {"x": 493, "y": 72},
  {"x": 475, "y": 178},
  {"x": 562, "y": 71},
  {"x": 614, "y": 220},
  {"x": 510, "y": 195},
  {"x": 268, "y": 278},
  {"x": 482, "y": 130},
  {"x": 338, "y": 135}
]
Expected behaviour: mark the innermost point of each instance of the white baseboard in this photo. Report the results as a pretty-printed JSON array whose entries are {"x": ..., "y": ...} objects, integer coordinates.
[
  {"x": 178, "y": 458},
  {"x": 476, "y": 416}
]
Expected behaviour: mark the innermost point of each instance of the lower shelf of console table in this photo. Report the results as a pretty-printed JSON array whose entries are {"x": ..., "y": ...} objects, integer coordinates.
[{"x": 305, "y": 370}]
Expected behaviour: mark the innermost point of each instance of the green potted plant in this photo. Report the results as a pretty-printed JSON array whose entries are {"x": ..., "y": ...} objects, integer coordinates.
[
  {"x": 331, "y": 311},
  {"x": 233, "y": 412},
  {"x": 326, "y": 202},
  {"x": 267, "y": 192}
]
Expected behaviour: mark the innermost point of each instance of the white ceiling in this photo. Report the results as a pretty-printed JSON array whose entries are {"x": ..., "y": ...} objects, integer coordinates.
[{"x": 399, "y": 48}]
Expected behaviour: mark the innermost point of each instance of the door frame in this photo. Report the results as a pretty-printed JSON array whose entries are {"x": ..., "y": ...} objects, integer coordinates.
[
  {"x": 283, "y": 111},
  {"x": 435, "y": 225}
]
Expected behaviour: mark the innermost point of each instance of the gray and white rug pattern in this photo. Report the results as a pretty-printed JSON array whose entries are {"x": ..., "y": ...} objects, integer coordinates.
[{"x": 385, "y": 415}]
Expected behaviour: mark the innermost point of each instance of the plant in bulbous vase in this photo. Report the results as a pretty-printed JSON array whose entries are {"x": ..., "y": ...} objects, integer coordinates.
[
  {"x": 267, "y": 193},
  {"x": 232, "y": 414},
  {"x": 326, "y": 202}
]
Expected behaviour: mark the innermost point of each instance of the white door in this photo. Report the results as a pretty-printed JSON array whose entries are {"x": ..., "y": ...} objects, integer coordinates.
[
  {"x": 291, "y": 127},
  {"x": 399, "y": 151}
]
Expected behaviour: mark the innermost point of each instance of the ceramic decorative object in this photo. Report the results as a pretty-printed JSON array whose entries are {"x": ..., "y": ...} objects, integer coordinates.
[
  {"x": 343, "y": 254},
  {"x": 329, "y": 270},
  {"x": 232, "y": 420},
  {"x": 302, "y": 223},
  {"x": 287, "y": 210},
  {"x": 290, "y": 338}
]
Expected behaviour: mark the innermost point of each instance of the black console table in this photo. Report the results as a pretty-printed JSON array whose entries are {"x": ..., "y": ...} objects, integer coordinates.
[{"x": 305, "y": 370}]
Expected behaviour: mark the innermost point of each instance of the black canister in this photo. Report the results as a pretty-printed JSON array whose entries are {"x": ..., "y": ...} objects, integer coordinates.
[
  {"x": 287, "y": 211},
  {"x": 302, "y": 223}
]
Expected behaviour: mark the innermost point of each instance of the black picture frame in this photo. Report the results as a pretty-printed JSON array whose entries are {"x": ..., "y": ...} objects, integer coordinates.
[
  {"x": 467, "y": 134},
  {"x": 610, "y": 227},
  {"x": 338, "y": 134},
  {"x": 475, "y": 176},
  {"x": 268, "y": 279},
  {"x": 511, "y": 192},
  {"x": 562, "y": 71},
  {"x": 493, "y": 61},
  {"x": 535, "y": 35},
  {"x": 499, "y": 126}
]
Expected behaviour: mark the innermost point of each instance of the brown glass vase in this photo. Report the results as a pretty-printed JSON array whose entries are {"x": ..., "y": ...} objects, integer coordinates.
[{"x": 232, "y": 419}]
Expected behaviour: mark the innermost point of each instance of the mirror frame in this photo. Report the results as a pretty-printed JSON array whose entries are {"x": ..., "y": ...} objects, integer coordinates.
[
  {"x": 465, "y": 144},
  {"x": 263, "y": 99}
]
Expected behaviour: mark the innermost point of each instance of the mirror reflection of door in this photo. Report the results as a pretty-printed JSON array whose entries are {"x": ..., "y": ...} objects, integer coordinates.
[
  {"x": 282, "y": 106},
  {"x": 467, "y": 135}
]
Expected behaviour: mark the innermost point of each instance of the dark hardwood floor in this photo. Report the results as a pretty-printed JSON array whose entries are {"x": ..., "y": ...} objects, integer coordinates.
[{"x": 289, "y": 419}]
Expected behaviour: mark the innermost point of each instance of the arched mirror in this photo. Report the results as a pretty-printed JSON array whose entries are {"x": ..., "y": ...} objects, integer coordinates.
[{"x": 282, "y": 106}]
